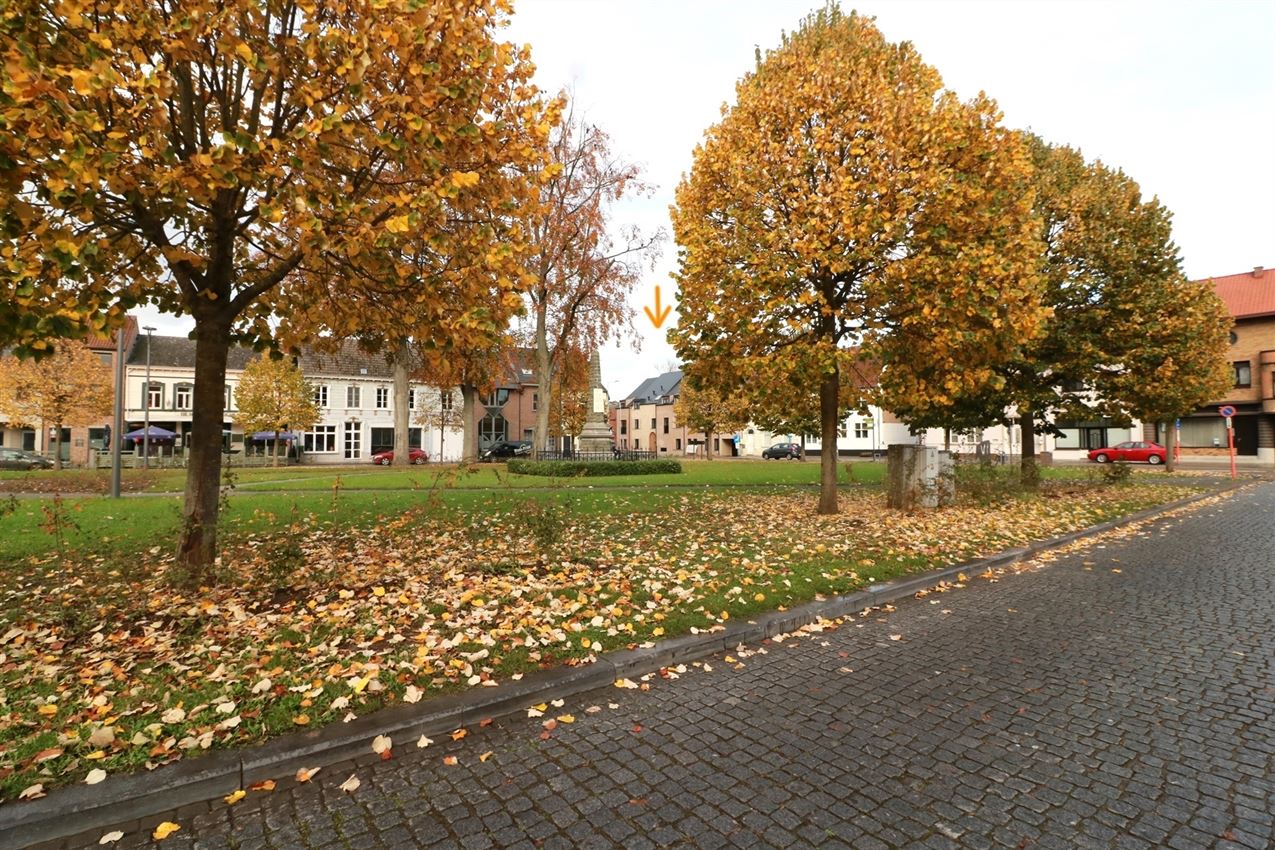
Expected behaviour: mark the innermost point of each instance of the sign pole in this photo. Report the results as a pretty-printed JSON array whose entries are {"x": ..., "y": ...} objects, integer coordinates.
[
  {"x": 1228, "y": 411},
  {"x": 1230, "y": 445}
]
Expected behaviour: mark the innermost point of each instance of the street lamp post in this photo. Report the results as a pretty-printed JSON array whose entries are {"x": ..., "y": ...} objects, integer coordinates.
[{"x": 146, "y": 404}]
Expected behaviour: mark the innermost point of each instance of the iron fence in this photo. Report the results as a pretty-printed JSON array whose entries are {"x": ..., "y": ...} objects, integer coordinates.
[{"x": 614, "y": 454}]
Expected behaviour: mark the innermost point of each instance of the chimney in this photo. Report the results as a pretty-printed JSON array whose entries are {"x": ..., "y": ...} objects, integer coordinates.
[{"x": 1257, "y": 271}]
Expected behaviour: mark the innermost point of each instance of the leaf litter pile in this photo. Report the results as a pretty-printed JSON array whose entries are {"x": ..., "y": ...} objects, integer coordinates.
[{"x": 106, "y": 669}]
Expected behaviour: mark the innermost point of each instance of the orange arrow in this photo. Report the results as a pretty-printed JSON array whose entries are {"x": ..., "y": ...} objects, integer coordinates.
[{"x": 657, "y": 318}]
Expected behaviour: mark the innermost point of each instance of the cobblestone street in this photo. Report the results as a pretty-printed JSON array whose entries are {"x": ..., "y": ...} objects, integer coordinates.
[{"x": 1122, "y": 696}]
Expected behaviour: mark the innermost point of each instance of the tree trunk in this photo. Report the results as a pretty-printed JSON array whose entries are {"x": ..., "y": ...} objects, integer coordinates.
[
  {"x": 544, "y": 382},
  {"x": 947, "y": 439},
  {"x": 1170, "y": 444},
  {"x": 829, "y": 390},
  {"x": 197, "y": 544},
  {"x": 468, "y": 408},
  {"x": 274, "y": 461},
  {"x": 708, "y": 444},
  {"x": 57, "y": 446},
  {"x": 402, "y": 417},
  {"x": 1029, "y": 472}
]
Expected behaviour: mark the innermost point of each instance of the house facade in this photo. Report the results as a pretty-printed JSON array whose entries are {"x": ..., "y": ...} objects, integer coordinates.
[
  {"x": 80, "y": 440},
  {"x": 352, "y": 389},
  {"x": 1250, "y": 299}
]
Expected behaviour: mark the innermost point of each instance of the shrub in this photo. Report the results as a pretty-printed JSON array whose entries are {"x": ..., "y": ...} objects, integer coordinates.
[
  {"x": 985, "y": 484},
  {"x": 546, "y": 521},
  {"x": 1117, "y": 473},
  {"x": 592, "y": 468}
]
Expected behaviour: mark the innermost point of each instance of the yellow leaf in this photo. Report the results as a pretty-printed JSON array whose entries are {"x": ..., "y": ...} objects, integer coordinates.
[
  {"x": 305, "y": 774},
  {"x": 164, "y": 830},
  {"x": 485, "y": 756},
  {"x": 458, "y": 734},
  {"x": 235, "y": 797}
]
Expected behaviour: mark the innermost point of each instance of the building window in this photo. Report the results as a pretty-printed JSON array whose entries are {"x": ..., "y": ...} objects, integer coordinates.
[
  {"x": 497, "y": 398},
  {"x": 637, "y": 443},
  {"x": 445, "y": 401},
  {"x": 182, "y": 395},
  {"x": 353, "y": 440},
  {"x": 411, "y": 400},
  {"x": 382, "y": 398},
  {"x": 841, "y": 429},
  {"x": 535, "y": 401},
  {"x": 624, "y": 426},
  {"x": 652, "y": 423},
  {"x": 321, "y": 439},
  {"x": 381, "y": 440},
  {"x": 678, "y": 443},
  {"x": 493, "y": 428},
  {"x": 321, "y": 395},
  {"x": 353, "y": 397},
  {"x": 230, "y": 398},
  {"x": 665, "y": 424},
  {"x": 861, "y": 430},
  {"x": 1243, "y": 374},
  {"x": 155, "y": 396}
]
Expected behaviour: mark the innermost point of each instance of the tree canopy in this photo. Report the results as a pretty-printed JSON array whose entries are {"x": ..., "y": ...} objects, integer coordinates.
[
  {"x": 244, "y": 160},
  {"x": 274, "y": 396},
  {"x": 70, "y": 386},
  {"x": 847, "y": 202}
]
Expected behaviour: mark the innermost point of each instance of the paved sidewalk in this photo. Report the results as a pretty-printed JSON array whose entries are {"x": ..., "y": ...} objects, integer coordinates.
[{"x": 1120, "y": 697}]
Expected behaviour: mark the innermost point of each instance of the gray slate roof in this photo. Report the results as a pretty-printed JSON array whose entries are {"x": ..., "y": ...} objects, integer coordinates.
[
  {"x": 653, "y": 388},
  {"x": 179, "y": 352}
]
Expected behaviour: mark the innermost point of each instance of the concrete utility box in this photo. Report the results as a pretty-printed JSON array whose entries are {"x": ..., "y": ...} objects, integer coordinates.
[{"x": 920, "y": 477}]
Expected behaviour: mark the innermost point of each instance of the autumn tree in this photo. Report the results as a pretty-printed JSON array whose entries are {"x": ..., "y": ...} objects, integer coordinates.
[
  {"x": 1126, "y": 335},
  {"x": 583, "y": 267},
  {"x": 69, "y": 387},
  {"x": 846, "y": 201},
  {"x": 705, "y": 409},
  {"x": 475, "y": 369},
  {"x": 274, "y": 396},
  {"x": 1179, "y": 360},
  {"x": 569, "y": 395},
  {"x": 243, "y": 160}
]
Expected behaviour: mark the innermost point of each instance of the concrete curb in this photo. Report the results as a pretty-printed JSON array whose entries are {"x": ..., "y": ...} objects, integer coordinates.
[{"x": 80, "y": 809}]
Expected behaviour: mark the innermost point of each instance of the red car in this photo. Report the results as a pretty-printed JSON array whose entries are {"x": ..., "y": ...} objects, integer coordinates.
[
  {"x": 1152, "y": 453},
  {"x": 416, "y": 456}
]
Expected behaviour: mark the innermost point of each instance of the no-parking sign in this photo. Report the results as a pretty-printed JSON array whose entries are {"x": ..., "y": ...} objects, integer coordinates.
[{"x": 1226, "y": 410}]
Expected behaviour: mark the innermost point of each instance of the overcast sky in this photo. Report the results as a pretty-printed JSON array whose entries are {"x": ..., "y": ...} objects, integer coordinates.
[{"x": 1181, "y": 96}]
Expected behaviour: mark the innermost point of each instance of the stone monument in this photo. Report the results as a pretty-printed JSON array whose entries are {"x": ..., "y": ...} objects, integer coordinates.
[{"x": 596, "y": 435}]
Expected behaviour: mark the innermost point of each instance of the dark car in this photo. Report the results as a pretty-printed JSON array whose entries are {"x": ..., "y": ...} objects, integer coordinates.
[
  {"x": 19, "y": 459},
  {"x": 1135, "y": 451},
  {"x": 792, "y": 451},
  {"x": 507, "y": 449},
  {"x": 416, "y": 456}
]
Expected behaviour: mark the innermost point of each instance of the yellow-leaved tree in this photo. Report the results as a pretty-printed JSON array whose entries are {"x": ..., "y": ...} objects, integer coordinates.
[
  {"x": 706, "y": 409},
  {"x": 274, "y": 396},
  {"x": 69, "y": 387},
  {"x": 846, "y": 206},
  {"x": 242, "y": 161}
]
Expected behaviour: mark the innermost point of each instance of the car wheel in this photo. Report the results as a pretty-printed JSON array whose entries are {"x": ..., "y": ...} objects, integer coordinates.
[
  {"x": 1101, "y": 459},
  {"x": 792, "y": 456},
  {"x": 419, "y": 460},
  {"x": 384, "y": 461},
  {"x": 1154, "y": 460}
]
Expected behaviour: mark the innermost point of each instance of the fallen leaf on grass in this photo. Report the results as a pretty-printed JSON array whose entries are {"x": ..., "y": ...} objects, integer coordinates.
[
  {"x": 32, "y": 792},
  {"x": 413, "y": 694}
]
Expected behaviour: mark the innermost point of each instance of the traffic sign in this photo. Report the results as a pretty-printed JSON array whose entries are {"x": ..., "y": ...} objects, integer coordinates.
[{"x": 1226, "y": 410}]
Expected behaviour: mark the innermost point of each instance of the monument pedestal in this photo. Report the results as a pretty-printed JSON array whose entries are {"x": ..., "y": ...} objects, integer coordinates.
[{"x": 595, "y": 438}]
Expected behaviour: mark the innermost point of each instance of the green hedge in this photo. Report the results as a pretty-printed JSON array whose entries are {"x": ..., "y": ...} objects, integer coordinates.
[{"x": 593, "y": 468}]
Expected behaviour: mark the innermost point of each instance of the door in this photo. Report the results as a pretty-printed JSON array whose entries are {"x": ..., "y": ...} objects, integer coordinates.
[{"x": 1245, "y": 434}]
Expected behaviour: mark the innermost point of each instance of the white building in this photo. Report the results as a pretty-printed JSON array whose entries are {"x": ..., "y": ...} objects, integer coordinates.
[{"x": 353, "y": 390}]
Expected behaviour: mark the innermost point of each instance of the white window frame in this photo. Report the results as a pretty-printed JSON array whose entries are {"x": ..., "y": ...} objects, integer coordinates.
[
  {"x": 151, "y": 389},
  {"x": 861, "y": 430},
  {"x": 445, "y": 401},
  {"x": 321, "y": 395},
  {"x": 382, "y": 398},
  {"x": 187, "y": 390},
  {"x": 321, "y": 439},
  {"x": 353, "y": 397},
  {"x": 352, "y": 442}
]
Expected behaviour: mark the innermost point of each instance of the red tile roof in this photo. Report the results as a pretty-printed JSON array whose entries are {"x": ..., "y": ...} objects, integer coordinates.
[
  {"x": 106, "y": 342},
  {"x": 1248, "y": 294}
]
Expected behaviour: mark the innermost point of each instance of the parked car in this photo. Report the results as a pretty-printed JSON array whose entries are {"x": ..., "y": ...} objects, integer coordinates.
[
  {"x": 19, "y": 459},
  {"x": 506, "y": 449},
  {"x": 416, "y": 456},
  {"x": 792, "y": 451},
  {"x": 1133, "y": 450}
]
